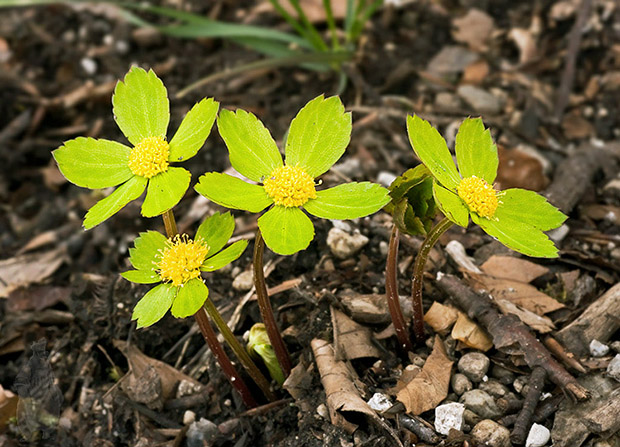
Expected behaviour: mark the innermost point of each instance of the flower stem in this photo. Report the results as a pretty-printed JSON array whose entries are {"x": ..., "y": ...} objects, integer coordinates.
[
  {"x": 418, "y": 272},
  {"x": 265, "y": 307},
  {"x": 391, "y": 293},
  {"x": 241, "y": 353},
  {"x": 210, "y": 337}
]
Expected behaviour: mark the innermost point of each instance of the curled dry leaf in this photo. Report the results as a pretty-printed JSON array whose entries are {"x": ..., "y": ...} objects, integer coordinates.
[
  {"x": 343, "y": 398},
  {"x": 470, "y": 334},
  {"x": 430, "y": 386},
  {"x": 474, "y": 29},
  {"x": 23, "y": 270},
  {"x": 540, "y": 323},
  {"x": 352, "y": 340},
  {"x": 440, "y": 317}
]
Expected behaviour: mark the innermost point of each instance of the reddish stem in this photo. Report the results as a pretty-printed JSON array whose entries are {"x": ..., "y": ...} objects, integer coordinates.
[
  {"x": 391, "y": 293},
  {"x": 265, "y": 307}
]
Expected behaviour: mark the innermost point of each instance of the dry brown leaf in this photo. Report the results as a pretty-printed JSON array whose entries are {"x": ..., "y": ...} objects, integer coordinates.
[
  {"x": 23, "y": 270},
  {"x": 149, "y": 381},
  {"x": 429, "y": 387},
  {"x": 371, "y": 308},
  {"x": 540, "y": 323},
  {"x": 351, "y": 339},
  {"x": 440, "y": 317},
  {"x": 470, "y": 334},
  {"x": 476, "y": 72},
  {"x": 526, "y": 43},
  {"x": 314, "y": 9},
  {"x": 520, "y": 293},
  {"x": 8, "y": 407},
  {"x": 509, "y": 267},
  {"x": 342, "y": 396},
  {"x": 520, "y": 169},
  {"x": 599, "y": 211},
  {"x": 474, "y": 29},
  {"x": 37, "y": 297}
]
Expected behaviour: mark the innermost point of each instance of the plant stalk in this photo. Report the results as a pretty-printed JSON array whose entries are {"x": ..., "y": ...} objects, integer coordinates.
[
  {"x": 241, "y": 353},
  {"x": 210, "y": 337},
  {"x": 418, "y": 273},
  {"x": 265, "y": 307},
  {"x": 391, "y": 293}
]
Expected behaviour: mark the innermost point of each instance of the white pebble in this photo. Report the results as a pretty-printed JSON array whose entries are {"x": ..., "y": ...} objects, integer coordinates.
[
  {"x": 380, "y": 402},
  {"x": 538, "y": 436},
  {"x": 613, "y": 369},
  {"x": 243, "y": 281},
  {"x": 449, "y": 416},
  {"x": 385, "y": 178},
  {"x": 343, "y": 244},
  {"x": 188, "y": 417},
  {"x": 89, "y": 65},
  {"x": 598, "y": 349}
]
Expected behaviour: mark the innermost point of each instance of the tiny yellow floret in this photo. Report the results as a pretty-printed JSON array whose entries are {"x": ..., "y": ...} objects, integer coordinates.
[
  {"x": 149, "y": 157},
  {"x": 290, "y": 186},
  {"x": 478, "y": 195},
  {"x": 181, "y": 259}
]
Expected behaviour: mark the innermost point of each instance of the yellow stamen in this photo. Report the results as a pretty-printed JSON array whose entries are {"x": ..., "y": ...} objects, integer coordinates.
[
  {"x": 181, "y": 259},
  {"x": 149, "y": 157},
  {"x": 290, "y": 186},
  {"x": 479, "y": 196}
]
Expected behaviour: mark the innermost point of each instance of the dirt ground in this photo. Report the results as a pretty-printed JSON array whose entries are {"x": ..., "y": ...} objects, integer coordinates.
[{"x": 114, "y": 385}]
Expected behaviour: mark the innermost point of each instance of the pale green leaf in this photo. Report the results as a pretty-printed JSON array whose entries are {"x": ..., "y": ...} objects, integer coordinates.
[
  {"x": 94, "y": 163},
  {"x": 193, "y": 131},
  {"x": 233, "y": 192},
  {"x": 215, "y": 231},
  {"x": 165, "y": 190},
  {"x": 259, "y": 343},
  {"x": 190, "y": 298},
  {"x": 128, "y": 191},
  {"x": 141, "y": 106},
  {"x": 476, "y": 153},
  {"x": 224, "y": 257},
  {"x": 348, "y": 201},
  {"x": 451, "y": 205},
  {"x": 286, "y": 230},
  {"x": 529, "y": 207},
  {"x": 431, "y": 149},
  {"x": 154, "y": 305},
  {"x": 253, "y": 152},
  {"x": 318, "y": 135},
  {"x": 146, "y": 251},
  {"x": 518, "y": 235},
  {"x": 141, "y": 276}
]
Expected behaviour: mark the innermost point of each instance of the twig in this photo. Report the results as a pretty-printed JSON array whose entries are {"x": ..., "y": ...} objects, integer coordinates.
[
  {"x": 566, "y": 357},
  {"x": 524, "y": 420},
  {"x": 508, "y": 330}
]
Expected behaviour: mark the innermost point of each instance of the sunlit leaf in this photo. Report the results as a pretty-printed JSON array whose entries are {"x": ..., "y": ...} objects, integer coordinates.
[
  {"x": 141, "y": 105},
  {"x": 224, "y": 257},
  {"x": 529, "y": 207},
  {"x": 94, "y": 163},
  {"x": 215, "y": 231},
  {"x": 154, "y": 305},
  {"x": 232, "y": 192},
  {"x": 146, "y": 250},
  {"x": 318, "y": 135},
  {"x": 451, "y": 205},
  {"x": 141, "y": 276},
  {"x": 128, "y": 191},
  {"x": 348, "y": 201},
  {"x": 165, "y": 190},
  {"x": 286, "y": 230},
  {"x": 476, "y": 153},
  {"x": 193, "y": 131},
  {"x": 190, "y": 298}
]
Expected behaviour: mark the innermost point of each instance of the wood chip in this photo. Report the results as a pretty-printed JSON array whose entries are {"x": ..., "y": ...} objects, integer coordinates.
[{"x": 440, "y": 317}]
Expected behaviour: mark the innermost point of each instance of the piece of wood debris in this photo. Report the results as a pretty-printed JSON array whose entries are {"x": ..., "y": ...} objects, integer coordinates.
[{"x": 352, "y": 340}]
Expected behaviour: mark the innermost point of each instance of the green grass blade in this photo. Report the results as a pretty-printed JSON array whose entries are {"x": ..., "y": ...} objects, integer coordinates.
[
  {"x": 331, "y": 24},
  {"x": 314, "y": 35}
]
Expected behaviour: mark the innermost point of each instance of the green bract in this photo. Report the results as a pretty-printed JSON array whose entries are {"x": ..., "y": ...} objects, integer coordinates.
[
  {"x": 260, "y": 346},
  {"x": 141, "y": 111},
  {"x": 317, "y": 138},
  {"x": 177, "y": 263},
  {"x": 515, "y": 217}
]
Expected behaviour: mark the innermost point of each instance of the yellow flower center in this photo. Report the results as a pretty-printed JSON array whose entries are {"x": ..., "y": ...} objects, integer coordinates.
[
  {"x": 149, "y": 157},
  {"x": 290, "y": 186},
  {"x": 479, "y": 196},
  {"x": 181, "y": 259}
]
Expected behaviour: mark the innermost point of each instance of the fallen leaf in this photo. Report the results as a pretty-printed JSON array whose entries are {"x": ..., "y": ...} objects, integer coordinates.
[
  {"x": 351, "y": 339},
  {"x": 599, "y": 211},
  {"x": 430, "y": 386},
  {"x": 371, "y": 308},
  {"x": 24, "y": 270},
  {"x": 575, "y": 126},
  {"x": 149, "y": 381},
  {"x": 8, "y": 407},
  {"x": 540, "y": 323},
  {"x": 476, "y": 72},
  {"x": 527, "y": 44},
  {"x": 37, "y": 297},
  {"x": 520, "y": 169},
  {"x": 440, "y": 317},
  {"x": 474, "y": 29},
  {"x": 470, "y": 334},
  {"x": 510, "y": 267}
]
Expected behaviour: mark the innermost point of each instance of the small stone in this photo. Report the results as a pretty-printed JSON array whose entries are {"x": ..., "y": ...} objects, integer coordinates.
[
  {"x": 519, "y": 384},
  {"x": 494, "y": 388},
  {"x": 474, "y": 365},
  {"x": 558, "y": 234},
  {"x": 322, "y": 411},
  {"x": 380, "y": 402},
  {"x": 383, "y": 248},
  {"x": 449, "y": 416},
  {"x": 491, "y": 434},
  {"x": 613, "y": 369},
  {"x": 502, "y": 374},
  {"x": 89, "y": 65},
  {"x": 201, "y": 433},
  {"x": 538, "y": 436},
  {"x": 189, "y": 417},
  {"x": 243, "y": 281},
  {"x": 385, "y": 178},
  {"x": 452, "y": 59},
  {"x": 616, "y": 346},
  {"x": 481, "y": 403},
  {"x": 471, "y": 418},
  {"x": 351, "y": 167},
  {"x": 343, "y": 244},
  {"x": 481, "y": 100},
  {"x": 598, "y": 349},
  {"x": 460, "y": 383},
  {"x": 447, "y": 101}
]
